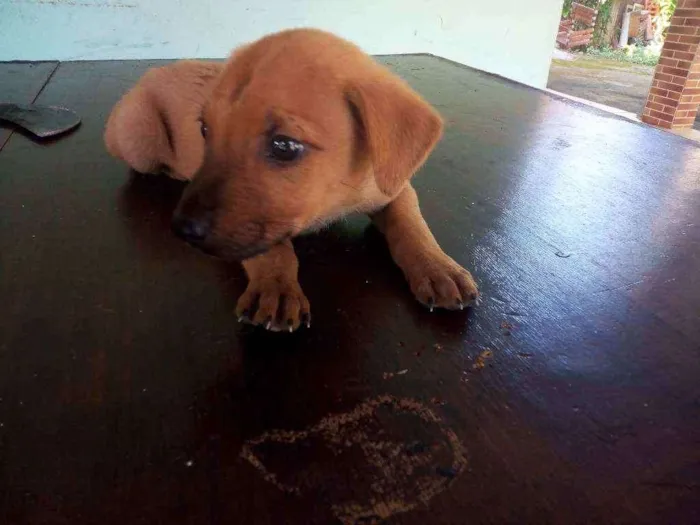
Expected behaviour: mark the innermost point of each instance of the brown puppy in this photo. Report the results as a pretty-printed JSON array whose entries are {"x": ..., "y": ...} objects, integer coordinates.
[{"x": 296, "y": 130}]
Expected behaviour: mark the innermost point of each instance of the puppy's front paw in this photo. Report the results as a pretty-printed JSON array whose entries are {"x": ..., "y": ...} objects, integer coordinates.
[
  {"x": 275, "y": 303},
  {"x": 439, "y": 282}
]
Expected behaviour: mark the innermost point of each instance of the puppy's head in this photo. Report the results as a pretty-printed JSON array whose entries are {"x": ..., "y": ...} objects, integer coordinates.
[{"x": 301, "y": 128}]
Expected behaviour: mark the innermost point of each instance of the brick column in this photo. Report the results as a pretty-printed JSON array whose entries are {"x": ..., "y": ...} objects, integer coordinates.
[{"x": 674, "y": 96}]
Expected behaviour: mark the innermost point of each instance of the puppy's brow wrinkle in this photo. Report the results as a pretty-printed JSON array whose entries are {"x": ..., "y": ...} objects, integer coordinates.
[
  {"x": 349, "y": 185},
  {"x": 238, "y": 89},
  {"x": 167, "y": 128}
]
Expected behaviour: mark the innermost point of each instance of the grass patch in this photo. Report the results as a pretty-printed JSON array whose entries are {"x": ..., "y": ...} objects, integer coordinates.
[{"x": 642, "y": 55}]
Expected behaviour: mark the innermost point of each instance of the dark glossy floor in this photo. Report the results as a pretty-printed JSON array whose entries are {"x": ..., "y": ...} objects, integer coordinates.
[{"x": 130, "y": 395}]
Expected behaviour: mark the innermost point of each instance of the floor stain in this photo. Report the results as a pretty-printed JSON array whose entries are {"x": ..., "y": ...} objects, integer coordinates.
[{"x": 379, "y": 468}]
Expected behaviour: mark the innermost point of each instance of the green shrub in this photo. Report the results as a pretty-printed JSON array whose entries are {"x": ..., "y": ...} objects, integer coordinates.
[
  {"x": 644, "y": 55},
  {"x": 663, "y": 19}
]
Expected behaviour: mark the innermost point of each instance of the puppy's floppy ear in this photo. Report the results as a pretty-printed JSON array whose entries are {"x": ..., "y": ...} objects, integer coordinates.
[{"x": 399, "y": 128}]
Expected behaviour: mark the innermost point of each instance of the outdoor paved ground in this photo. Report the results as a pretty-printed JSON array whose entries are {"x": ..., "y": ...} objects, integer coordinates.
[{"x": 617, "y": 84}]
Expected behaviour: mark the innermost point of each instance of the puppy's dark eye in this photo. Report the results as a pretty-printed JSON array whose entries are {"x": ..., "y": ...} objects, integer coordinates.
[
  {"x": 284, "y": 149},
  {"x": 203, "y": 128}
]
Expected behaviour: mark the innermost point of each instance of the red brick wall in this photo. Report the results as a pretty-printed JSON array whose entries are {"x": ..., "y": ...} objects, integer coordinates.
[{"x": 674, "y": 96}]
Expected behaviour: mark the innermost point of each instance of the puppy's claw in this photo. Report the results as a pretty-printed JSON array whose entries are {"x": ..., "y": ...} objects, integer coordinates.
[
  {"x": 306, "y": 320},
  {"x": 461, "y": 305},
  {"x": 272, "y": 303},
  {"x": 431, "y": 304}
]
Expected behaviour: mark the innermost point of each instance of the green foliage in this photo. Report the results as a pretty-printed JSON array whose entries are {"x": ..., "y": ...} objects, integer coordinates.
[
  {"x": 646, "y": 56},
  {"x": 566, "y": 10},
  {"x": 601, "y": 23},
  {"x": 663, "y": 19}
]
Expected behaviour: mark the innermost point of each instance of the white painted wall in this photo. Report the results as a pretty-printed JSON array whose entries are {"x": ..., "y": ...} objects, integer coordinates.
[{"x": 513, "y": 38}]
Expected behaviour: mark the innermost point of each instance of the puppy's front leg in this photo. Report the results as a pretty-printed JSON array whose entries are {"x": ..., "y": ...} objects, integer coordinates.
[
  {"x": 435, "y": 279},
  {"x": 274, "y": 298}
]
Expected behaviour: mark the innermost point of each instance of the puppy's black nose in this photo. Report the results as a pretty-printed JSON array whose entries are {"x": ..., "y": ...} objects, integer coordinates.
[{"x": 191, "y": 229}]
